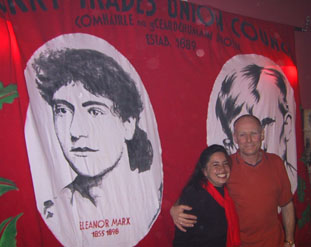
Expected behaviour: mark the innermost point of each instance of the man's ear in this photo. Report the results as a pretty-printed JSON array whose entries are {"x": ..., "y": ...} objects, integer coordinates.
[
  {"x": 262, "y": 136},
  {"x": 234, "y": 138},
  {"x": 129, "y": 126}
]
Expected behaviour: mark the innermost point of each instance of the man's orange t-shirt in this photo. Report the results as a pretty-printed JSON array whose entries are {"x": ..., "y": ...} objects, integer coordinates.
[{"x": 257, "y": 191}]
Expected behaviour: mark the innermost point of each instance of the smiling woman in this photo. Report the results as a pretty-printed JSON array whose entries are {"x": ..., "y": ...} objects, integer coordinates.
[
  {"x": 217, "y": 169},
  {"x": 208, "y": 197}
]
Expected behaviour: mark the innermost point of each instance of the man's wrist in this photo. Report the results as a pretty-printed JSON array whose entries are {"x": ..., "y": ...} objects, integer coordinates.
[{"x": 290, "y": 243}]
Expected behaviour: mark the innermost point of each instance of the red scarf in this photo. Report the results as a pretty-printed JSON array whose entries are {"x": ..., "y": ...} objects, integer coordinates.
[{"x": 233, "y": 231}]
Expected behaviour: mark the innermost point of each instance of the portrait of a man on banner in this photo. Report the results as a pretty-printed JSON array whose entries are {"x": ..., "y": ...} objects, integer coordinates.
[
  {"x": 98, "y": 174},
  {"x": 254, "y": 84}
]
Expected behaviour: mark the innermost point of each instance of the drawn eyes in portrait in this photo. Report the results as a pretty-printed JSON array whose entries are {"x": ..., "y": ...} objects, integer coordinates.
[
  {"x": 60, "y": 110},
  {"x": 92, "y": 140}
]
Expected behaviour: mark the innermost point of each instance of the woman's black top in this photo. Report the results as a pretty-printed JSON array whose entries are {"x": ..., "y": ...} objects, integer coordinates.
[{"x": 211, "y": 227}]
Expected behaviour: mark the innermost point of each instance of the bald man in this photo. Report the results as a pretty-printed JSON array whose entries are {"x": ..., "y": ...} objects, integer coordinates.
[{"x": 258, "y": 185}]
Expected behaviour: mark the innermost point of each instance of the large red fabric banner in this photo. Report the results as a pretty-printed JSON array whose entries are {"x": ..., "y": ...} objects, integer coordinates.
[{"x": 106, "y": 105}]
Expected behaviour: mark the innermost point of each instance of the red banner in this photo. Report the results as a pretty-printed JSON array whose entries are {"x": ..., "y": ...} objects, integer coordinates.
[{"x": 85, "y": 164}]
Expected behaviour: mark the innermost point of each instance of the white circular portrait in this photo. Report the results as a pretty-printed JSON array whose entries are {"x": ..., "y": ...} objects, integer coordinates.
[
  {"x": 254, "y": 84},
  {"x": 93, "y": 143}
]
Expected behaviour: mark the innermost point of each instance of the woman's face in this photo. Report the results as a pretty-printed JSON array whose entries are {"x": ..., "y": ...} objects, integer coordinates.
[
  {"x": 217, "y": 169},
  {"x": 90, "y": 134}
]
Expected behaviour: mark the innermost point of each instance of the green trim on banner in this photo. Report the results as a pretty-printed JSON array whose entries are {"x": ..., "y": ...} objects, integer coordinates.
[
  {"x": 305, "y": 217},
  {"x": 301, "y": 189}
]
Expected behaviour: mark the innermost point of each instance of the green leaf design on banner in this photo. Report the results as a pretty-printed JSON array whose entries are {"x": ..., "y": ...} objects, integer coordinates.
[
  {"x": 3, "y": 223},
  {"x": 7, "y": 94},
  {"x": 6, "y": 185},
  {"x": 301, "y": 189},
  {"x": 8, "y": 230},
  {"x": 8, "y": 238}
]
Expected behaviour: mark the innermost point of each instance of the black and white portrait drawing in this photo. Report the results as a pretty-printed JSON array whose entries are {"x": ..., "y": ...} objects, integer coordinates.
[
  {"x": 254, "y": 84},
  {"x": 92, "y": 142}
]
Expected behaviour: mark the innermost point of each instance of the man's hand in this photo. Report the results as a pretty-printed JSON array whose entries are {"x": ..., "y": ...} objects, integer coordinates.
[
  {"x": 289, "y": 245},
  {"x": 182, "y": 219}
]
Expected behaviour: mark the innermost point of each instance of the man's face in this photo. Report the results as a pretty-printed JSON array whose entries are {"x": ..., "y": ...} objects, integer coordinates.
[
  {"x": 267, "y": 109},
  {"x": 248, "y": 135},
  {"x": 91, "y": 135}
]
